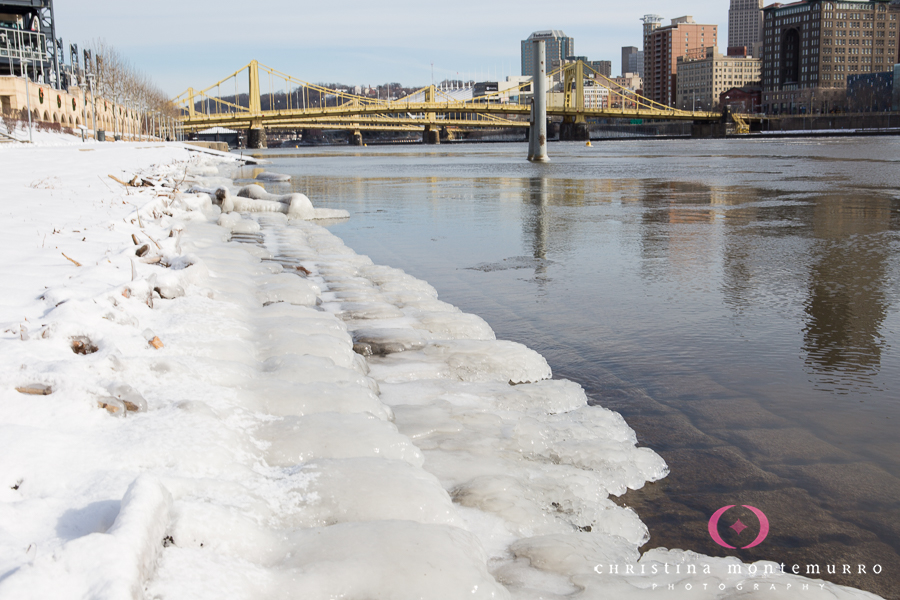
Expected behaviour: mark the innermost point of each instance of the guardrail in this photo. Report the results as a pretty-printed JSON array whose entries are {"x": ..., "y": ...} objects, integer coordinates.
[{"x": 17, "y": 44}]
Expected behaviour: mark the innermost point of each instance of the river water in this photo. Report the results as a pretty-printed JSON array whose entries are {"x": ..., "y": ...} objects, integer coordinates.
[{"x": 735, "y": 301}]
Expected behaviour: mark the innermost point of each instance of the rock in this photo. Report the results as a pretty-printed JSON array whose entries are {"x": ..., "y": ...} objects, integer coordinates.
[
  {"x": 142, "y": 250},
  {"x": 169, "y": 292},
  {"x": 111, "y": 405},
  {"x": 130, "y": 397},
  {"x": 362, "y": 349},
  {"x": 35, "y": 389},
  {"x": 83, "y": 345},
  {"x": 152, "y": 339},
  {"x": 388, "y": 341}
]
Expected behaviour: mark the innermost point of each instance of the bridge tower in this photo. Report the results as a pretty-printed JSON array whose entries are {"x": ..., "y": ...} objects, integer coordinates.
[
  {"x": 432, "y": 135},
  {"x": 256, "y": 135},
  {"x": 574, "y": 126}
]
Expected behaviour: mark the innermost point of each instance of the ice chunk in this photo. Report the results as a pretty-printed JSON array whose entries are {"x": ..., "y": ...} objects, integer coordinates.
[
  {"x": 390, "y": 561},
  {"x": 288, "y": 288},
  {"x": 313, "y": 369},
  {"x": 229, "y": 220},
  {"x": 269, "y": 176},
  {"x": 544, "y": 397},
  {"x": 540, "y": 500},
  {"x": 333, "y": 346},
  {"x": 575, "y": 553},
  {"x": 283, "y": 398},
  {"x": 590, "y": 439},
  {"x": 368, "y": 311},
  {"x": 465, "y": 360},
  {"x": 394, "y": 280},
  {"x": 453, "y": 326},
  {"x": 297, "y": 440},
  {"x": 226, "y": 531},
  {"x": 552, "y": 396},
  {"x": 245, "y": 226},
  {"x": 388, "y": 341},
  {"x": 373, "y": 489},
  {"x": 254, "y": 191}
]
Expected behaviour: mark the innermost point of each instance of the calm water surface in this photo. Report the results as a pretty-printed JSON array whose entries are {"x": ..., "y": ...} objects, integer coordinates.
[{"x": 736, "y": 301}]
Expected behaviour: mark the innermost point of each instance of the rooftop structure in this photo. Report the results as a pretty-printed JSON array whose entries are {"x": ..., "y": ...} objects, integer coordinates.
[{"x": 558, "y": 46}]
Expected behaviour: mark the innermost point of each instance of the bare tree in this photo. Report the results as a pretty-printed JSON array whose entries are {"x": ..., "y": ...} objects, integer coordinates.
[{"x": 134, "y": 95}]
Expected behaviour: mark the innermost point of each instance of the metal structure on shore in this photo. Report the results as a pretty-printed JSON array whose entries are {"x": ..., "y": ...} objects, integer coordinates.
[
  {"x": 238, "y": 101},
  {"x": 28, "y": 44}
]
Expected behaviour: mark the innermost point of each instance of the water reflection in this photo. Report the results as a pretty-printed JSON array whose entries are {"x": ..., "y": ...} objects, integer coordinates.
[
  {"x": 537, "y": 227},
  {"x": 847, "y": 302}
]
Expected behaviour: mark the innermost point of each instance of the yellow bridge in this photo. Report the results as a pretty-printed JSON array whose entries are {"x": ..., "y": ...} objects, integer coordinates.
[{"x": 293, "y": 104}]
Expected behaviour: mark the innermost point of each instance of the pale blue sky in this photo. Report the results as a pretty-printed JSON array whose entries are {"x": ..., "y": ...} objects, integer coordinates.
[{"x": 197, "y": 42}]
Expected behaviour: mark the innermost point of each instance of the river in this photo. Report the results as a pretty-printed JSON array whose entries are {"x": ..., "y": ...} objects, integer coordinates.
[{"x": 735, "y": 301}]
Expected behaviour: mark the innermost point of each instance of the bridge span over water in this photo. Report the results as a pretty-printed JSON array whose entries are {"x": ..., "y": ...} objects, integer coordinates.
[{"x": 238, "y": 102}]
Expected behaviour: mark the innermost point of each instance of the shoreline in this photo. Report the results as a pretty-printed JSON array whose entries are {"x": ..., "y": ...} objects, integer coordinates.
[{"x": 242, "y": 331}]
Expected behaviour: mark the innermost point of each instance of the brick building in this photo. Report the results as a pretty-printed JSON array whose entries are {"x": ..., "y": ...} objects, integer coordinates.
[
  {"x": 662, "y": 48},
  {"x": 813, "y": 46}
]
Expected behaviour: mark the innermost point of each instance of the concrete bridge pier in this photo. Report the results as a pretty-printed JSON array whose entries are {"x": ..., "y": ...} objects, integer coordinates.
[
  {"x": 704, "y": 130},
  {"x": 537, "y": 148},
  {"x": 573, "y": 132},
  {"x": 432, "y": 136},
  {"x": 356, "y": 138},
  {"x": 256, "y": 138}
]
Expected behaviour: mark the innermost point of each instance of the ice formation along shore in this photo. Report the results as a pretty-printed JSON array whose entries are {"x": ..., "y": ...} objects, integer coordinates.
[{"x": 256, "y": 411}]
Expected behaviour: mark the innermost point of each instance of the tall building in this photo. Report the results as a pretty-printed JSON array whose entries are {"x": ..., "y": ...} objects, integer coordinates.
[
  {"x": 812, "y": 46},
  {"x": 745, "y": 25},
  {"x": 651, "y": 24},
  {"x": 663, "y": 46},
  {"x": 604, "y": 67},
  {"x": 704, "y": 74},
  {"x": 558, "y": 46},
  {"x": 627, "y": 53}
]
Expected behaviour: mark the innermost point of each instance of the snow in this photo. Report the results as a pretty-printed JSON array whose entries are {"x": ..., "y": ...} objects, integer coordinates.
[{"x": 262, "y": 413}]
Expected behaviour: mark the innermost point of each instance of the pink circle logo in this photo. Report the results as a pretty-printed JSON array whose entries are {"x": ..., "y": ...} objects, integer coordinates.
[{"x": 739, "y": 527}]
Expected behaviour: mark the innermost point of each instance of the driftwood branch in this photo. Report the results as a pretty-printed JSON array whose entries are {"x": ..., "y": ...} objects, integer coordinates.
[{"x": 72, "y": 260}]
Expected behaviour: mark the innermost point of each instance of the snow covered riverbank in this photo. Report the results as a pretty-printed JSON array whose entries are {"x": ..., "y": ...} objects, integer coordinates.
[{"x": 255, "y": 411}]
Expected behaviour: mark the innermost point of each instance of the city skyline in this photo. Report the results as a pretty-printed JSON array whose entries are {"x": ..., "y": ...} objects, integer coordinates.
[{"x": 206, "y": 41}]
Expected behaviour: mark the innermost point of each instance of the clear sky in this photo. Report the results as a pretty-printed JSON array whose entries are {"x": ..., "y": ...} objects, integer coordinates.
[{"x": 183, "y": 43}]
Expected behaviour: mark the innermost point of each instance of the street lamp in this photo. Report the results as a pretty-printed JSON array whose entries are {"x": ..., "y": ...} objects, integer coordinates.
[
  {"x": 28, "y": 101},
  {"x": 90, "y": 78}
]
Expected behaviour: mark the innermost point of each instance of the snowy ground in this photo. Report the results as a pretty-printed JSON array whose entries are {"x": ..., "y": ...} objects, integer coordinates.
[{"x": 259, "y": 412}]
